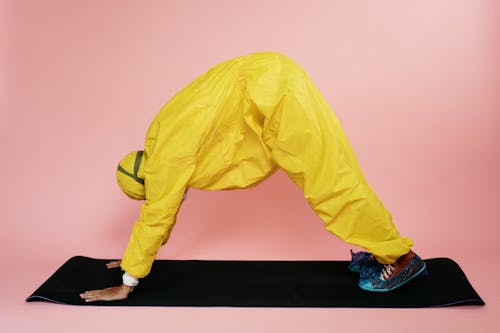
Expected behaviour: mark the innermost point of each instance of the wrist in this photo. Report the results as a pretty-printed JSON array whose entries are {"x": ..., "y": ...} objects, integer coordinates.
[{"x": 127, "y": 288}]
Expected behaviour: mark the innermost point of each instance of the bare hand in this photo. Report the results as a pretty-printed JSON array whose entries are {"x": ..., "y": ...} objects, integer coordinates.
[
  {"x": 107, "y": 294},
  {"x": 113, "y": 264}
]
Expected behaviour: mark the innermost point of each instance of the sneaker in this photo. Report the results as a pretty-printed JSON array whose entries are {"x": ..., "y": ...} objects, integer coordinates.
[
  {"x": 383, "y": 278},
  {"x": 359, "y": 260}
]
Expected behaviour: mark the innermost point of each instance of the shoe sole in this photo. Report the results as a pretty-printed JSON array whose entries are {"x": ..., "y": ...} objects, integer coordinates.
[{"x": 422, "y": 271}]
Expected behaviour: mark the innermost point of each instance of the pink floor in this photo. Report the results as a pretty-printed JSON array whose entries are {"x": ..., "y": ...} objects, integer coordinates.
[{"x": 415, "y": 85}]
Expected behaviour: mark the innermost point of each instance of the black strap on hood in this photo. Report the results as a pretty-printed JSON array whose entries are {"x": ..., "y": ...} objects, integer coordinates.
[{"x": 137, "y": 164}]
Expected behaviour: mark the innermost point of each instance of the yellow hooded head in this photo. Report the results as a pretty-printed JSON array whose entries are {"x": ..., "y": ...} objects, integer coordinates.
[{"x": 128, "y": 177}]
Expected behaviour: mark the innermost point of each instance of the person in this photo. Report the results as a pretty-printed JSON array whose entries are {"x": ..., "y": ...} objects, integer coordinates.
[{"x": 233, "y": 127}]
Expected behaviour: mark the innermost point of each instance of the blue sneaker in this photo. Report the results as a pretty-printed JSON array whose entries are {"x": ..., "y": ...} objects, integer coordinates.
[
  {"x": 359, "y": 260},
  {"x": 383, "y": 278}
]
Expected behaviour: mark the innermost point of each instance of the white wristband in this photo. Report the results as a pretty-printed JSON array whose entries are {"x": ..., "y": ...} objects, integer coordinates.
[{"x": 129, "y": 280}]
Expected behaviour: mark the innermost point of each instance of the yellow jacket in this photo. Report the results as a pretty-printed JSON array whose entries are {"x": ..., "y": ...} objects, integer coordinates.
[
  {"x": 228, "y": 128},
  {"x": 205, "y": 138}
]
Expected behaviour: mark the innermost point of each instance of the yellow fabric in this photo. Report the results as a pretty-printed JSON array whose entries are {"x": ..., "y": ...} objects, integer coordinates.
[
  {"x": 234, "y": 126},
  {"x": 130, "y": 186}
]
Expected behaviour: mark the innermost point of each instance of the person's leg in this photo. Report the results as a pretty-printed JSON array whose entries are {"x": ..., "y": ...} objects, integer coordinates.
[
  {"x": 309, "y": 144},
  {"x": 306, "y": 140}
]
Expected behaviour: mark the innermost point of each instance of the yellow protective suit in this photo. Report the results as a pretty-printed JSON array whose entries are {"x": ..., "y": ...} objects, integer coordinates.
[{"x": 237, "y": 124}]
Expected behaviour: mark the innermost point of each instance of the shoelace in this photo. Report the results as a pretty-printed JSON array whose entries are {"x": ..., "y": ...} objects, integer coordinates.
[{"x": 387, "y": 271}]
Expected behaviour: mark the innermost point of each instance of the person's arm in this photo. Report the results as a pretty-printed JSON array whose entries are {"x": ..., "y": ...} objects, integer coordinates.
[
  {"x": 150, "y": 232},
  {"x": 117, "y": 263},
  {"x": 173, "y": 141},
  {"x": 167, "y": 170},
  {"x": 169, "y": 159}
]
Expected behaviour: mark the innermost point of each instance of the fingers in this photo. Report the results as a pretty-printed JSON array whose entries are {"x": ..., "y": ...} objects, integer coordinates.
[
  {"x": 92, "y": 295},
  {"x": 113, "y": 264},
  {"x": 96, "y": 295},
  {"x": 107, "y": 294}
]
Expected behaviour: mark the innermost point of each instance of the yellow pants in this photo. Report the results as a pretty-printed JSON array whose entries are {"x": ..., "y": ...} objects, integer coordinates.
[{"x": 306, "y": 140}]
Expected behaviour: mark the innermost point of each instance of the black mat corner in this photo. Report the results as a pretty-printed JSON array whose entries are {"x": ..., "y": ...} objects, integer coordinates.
[{"x": 257, "y": 284}]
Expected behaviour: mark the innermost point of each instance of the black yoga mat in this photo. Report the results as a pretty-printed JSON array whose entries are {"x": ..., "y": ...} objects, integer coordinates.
[{"x": 257, "y": 284}]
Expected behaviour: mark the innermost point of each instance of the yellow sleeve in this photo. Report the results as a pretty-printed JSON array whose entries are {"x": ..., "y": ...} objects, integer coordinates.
[
  {"x": 173, "y": 141},
  {"x": 168, "y": 167}
]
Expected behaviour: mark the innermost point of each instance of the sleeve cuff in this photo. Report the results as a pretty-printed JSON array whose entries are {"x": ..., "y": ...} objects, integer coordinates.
[{"x": 129, "y": 280}]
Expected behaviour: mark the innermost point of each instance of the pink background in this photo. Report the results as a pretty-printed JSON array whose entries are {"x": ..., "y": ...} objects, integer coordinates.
[{"x": 416, "y": 85}]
